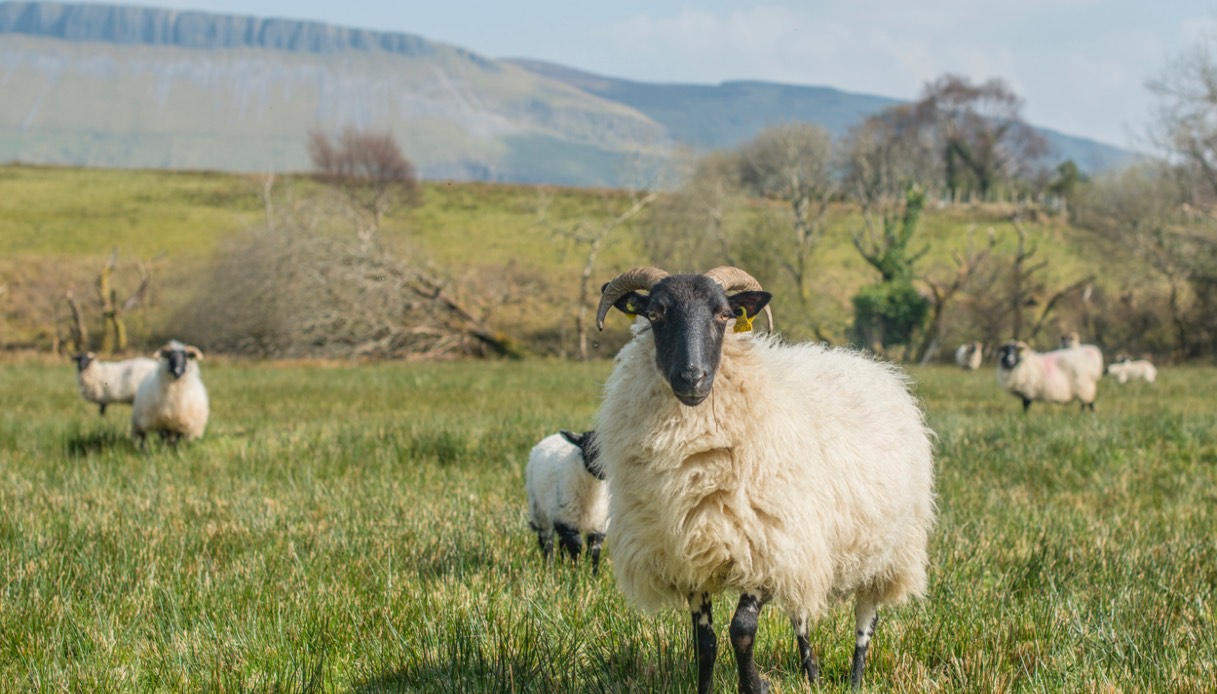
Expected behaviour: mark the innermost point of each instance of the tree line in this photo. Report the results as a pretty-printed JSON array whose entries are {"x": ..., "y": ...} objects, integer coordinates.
[{"x": 317, "y": 278}]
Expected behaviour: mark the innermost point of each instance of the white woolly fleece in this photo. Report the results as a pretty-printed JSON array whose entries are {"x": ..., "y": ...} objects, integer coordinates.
[
  {"x": 561, "y": 490},
  {"x": 106, "y": 382},
  {"x": 806, "y": 476},
  {"x": 163, "y": 403},
  {"x": 1124, "y": 371},
  {"x": 1057, "y": 376}
]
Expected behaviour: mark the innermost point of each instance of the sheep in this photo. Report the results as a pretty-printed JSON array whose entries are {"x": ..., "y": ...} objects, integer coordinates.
[
  {"x": 1057, "y": 376},
  {"x": 108, "y": 382},
  {"x": 173, "y": 399},
  {"x": 799, "y": 474},
  {"x": 969, "y": 355},
  {"x": 1070, "y": 340},
  {"x": 1126, "y": 370},
  {"x": 567, "y": 494}
]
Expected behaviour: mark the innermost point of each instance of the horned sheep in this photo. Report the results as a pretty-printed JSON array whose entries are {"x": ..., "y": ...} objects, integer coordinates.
[
  {"x": 172, "y": 400},
  {"x": 798, "y": 474},
  {"x": 109, "y": 382},
  {"x": 1060, "y": 376},
  {"x": 567, "y": 495}
]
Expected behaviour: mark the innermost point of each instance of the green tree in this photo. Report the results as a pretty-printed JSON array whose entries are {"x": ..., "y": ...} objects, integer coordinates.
[{"x": 889, "y": 313}]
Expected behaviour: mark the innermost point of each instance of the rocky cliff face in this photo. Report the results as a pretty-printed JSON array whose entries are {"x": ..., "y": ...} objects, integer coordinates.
[
  {"x": 130, "y": 86},
  {"x": 159, "y": 27}
]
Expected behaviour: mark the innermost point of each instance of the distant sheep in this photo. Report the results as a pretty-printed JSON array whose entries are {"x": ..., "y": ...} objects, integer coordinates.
[
  {"x": 793, "y": 473},
  {"x": 108, "y": 382},
  {"x": 1130, "y": 370},
  {"x": 567, "y": 494},
  {"x": 969, "y": 355},
  {"x": 1071, "y": 340},
  {"x": 172, "y": 401},
  {"x": 1058, "y": 376}
]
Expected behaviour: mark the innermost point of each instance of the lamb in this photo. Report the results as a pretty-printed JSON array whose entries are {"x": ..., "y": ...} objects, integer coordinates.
[
  {"x": 108, "y": 382},
  {"x": 798, "y": 474},
  {"x": 567, "y": 494},
  {"x": 1061, "y": 375},
  {"x": 1126, "y": 370},
  {"x": 969, "y": 355},
  {"x": 172, "y": 400}
]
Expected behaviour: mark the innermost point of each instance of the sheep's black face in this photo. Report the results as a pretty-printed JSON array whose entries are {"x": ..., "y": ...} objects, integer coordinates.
[
  {"x": 689, "y": 315},
  {"x": 176, "y": 359},
  {"x": 1008, "y": 356},
  {"x": 83, "y": 361}
]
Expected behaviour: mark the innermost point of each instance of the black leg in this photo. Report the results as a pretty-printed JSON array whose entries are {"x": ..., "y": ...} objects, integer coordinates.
[
  {"x": 569, "y": 540},
  {"x": 704, "y": 640},
  {"x": 1026, "y": 405},
  {"x": 545, "y": 539},
  {"x": 743, "y": 637},
  {"x": 866, "y": 617},
  {"x": 807, "y": 657},
  {"x": 101, "y": 409},
  {"x": 141, "y": 438},
  {"x": 594, "y": 542}
]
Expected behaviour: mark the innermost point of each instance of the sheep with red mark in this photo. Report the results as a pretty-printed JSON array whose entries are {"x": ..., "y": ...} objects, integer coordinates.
[{"x": 1059, "y": 376}]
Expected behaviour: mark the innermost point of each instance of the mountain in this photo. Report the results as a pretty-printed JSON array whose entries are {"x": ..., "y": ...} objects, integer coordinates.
[
  {"x": 723, "y": 115},
  {"x": 128, "y": 86}
]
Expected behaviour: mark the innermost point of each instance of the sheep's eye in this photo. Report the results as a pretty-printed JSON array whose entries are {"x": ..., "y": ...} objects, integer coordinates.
[
  {"x": 726, "y": 315},
  {"x": 654, "y": 315}
]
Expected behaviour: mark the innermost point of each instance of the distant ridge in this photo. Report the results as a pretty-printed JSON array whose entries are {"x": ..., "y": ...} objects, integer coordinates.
[
  {"x": 203, "y": 30},
  {"x": 126, "y": 86}
]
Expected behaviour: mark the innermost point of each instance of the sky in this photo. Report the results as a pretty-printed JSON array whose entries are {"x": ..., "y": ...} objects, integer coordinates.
[{"x": 1081, "y": 66}]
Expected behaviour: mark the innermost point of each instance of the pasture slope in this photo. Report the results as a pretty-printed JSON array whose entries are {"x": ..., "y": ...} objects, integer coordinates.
[
  {"x": 59, "y": 224},
  {"x": 363, "y": 528}
]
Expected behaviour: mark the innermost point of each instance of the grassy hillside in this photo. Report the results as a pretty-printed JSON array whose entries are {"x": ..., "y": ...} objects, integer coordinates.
[
  {"x": 362, "y": 528},
  {"x": 57, "y": 226}
]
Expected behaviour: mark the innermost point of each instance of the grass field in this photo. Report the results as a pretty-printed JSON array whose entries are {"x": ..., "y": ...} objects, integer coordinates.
[{"x": 362, "y": 527}]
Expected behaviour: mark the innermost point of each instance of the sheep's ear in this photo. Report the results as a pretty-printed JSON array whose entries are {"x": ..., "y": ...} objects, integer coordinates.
[
  {"x": 194, "y": 353},
  {"x": 576, "y": 439},
  {"x": 633, "y": 304},
  {"x": 750, "y": 302}
]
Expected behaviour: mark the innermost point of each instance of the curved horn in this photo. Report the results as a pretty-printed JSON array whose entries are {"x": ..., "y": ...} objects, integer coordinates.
[
  {"x": 734, "y": 279},
  {"x": 626, "y": 282}
]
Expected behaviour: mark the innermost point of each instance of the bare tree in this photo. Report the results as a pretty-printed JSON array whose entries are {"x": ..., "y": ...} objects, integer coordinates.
[
  {"x": 967, "y": 263},
  {"x": 78, "y": 332},
  {"x": 1186, "y": 124},
  {"x": 692, "y": 226},
  {"x": 793, "y": 163},
  {"x": 593, "y": 235},
  {"x": 1024, "y": 284},
  {"x": 981, "y": 132},
  {"x": 114, "y": 328},
  {"x": 368, "y": 168},
  {"x": 1142, "y": 212},
  {"x": 885, "y": 155}
]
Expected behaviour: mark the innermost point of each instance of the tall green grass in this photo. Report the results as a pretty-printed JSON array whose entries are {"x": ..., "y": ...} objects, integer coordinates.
[{"x": 362, "y": 527}]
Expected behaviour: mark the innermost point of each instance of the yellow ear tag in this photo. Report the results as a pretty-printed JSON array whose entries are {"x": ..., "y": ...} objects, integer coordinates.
[{"x": 743, "y": 322}]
